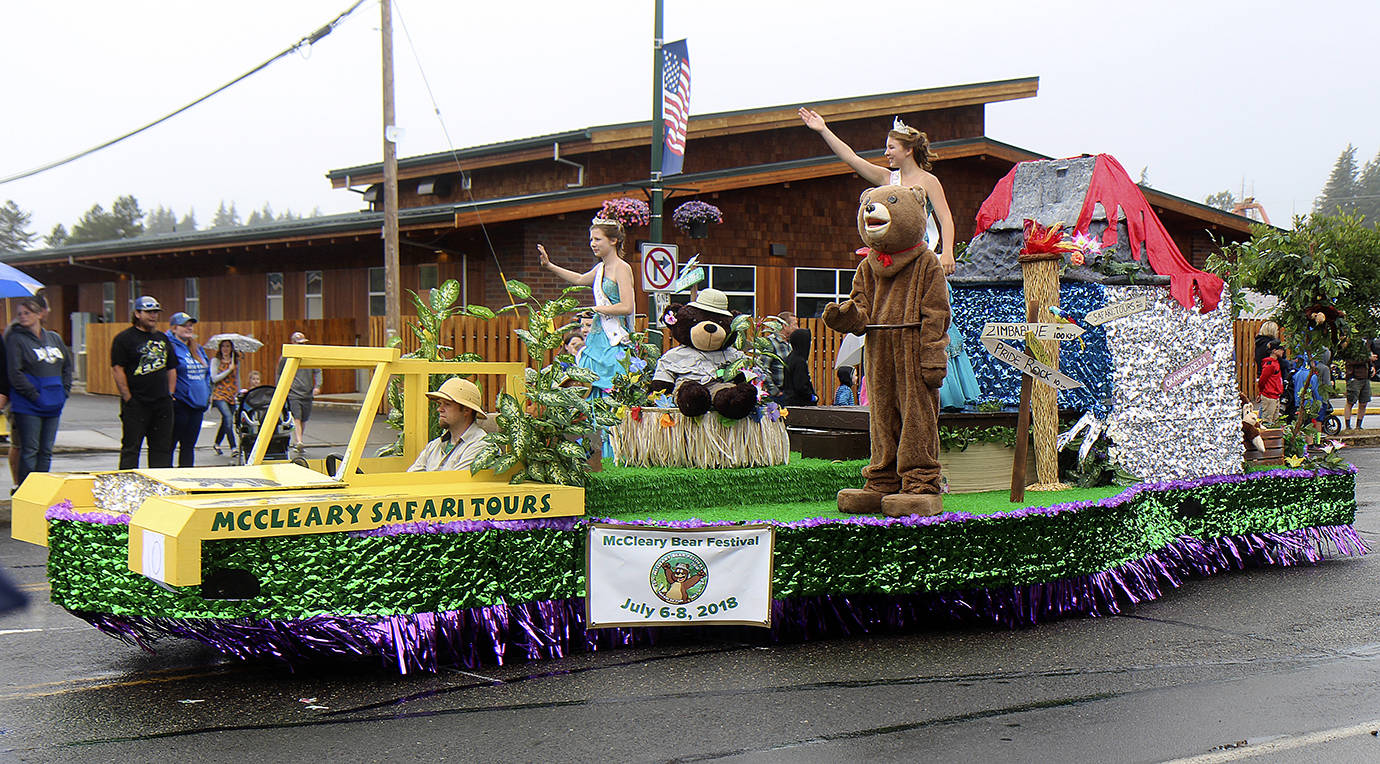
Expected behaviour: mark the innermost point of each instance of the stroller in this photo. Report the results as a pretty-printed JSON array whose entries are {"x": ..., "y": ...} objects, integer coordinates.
[{"x": 249, "y": 415}]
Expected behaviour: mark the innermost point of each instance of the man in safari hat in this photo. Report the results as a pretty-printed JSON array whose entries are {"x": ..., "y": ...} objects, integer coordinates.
[{"x": 458, "y": 405}]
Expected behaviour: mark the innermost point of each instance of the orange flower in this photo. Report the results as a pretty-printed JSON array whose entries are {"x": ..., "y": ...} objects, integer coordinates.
[
  {"x": 1040, "y": 240},
  {"x": 667, "y": 420}
]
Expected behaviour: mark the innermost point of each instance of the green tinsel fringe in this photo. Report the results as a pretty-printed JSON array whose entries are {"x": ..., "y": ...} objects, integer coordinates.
[{"x": 346, "y": 575}]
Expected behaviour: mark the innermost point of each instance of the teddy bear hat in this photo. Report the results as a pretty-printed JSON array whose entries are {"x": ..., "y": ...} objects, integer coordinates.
[{"x": 713, "y": 301}]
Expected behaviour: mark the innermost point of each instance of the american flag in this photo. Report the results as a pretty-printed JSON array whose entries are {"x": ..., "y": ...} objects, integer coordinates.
[{"x": 675, "y": 89}]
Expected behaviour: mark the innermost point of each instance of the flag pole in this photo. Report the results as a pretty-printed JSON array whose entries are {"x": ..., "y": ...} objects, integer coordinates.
[{"x": 658, "y": 123}]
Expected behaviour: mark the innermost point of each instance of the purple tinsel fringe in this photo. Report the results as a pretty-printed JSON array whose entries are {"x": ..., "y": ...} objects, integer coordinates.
[
  {"x": 63, "y": 511},
  {"x": 555, "y": 628}
]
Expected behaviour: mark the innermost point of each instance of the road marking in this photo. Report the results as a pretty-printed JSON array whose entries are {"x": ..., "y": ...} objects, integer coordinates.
[
  {"x": 1283, "y": 744},
  {"x": 4, "y": 632}
]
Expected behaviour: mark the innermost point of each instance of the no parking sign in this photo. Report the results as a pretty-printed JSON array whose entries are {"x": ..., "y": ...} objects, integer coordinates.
[{"x": 659, "y": 263}]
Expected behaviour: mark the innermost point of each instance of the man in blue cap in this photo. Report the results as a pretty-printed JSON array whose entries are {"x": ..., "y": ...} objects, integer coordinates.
[
  {"x": 141, "y": 360},
  {"x": 192, "y": 395}
]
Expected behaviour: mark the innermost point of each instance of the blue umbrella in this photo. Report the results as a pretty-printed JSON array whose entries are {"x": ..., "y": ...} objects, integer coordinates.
[{"x": 16, "y": 283}]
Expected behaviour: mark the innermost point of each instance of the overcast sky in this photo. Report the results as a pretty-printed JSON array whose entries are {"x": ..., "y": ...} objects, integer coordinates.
[{"x": 1206, "y": 94}]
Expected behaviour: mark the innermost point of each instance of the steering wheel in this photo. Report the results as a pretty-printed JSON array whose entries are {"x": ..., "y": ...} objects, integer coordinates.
[{"x": 333, "y": 463}]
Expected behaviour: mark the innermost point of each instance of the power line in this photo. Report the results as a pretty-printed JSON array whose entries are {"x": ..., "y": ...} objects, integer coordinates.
[{"x": 308, "y": 40}]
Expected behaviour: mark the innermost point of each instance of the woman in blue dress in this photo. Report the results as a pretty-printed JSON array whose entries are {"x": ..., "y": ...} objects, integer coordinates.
[
  {"x": 612, "y": 281},
  {"x": 908, "y": 159}
]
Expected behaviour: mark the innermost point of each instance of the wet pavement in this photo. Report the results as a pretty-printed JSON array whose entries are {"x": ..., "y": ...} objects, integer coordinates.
[{"x": 1283, "y": 662}]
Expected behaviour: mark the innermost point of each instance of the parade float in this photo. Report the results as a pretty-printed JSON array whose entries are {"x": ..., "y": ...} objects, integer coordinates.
[{"x": 361, "y": 560}]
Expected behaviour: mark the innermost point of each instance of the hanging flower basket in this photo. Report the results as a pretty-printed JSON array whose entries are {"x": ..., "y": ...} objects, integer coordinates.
[
  {"x": 632, "y": 213},
  {"x": 694, "y": 218}
]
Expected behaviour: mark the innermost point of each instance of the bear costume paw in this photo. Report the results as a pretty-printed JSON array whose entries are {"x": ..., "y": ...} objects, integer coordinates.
[
  {"x": 904, "y": 504},
  {"x": 860, "y": 501}
]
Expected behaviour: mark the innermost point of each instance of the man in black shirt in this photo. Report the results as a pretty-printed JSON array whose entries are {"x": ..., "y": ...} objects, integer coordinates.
[{"x": 141, "y": 359}]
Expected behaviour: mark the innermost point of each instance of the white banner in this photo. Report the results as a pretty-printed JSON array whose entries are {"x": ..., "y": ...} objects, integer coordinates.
[{"x": 640, "y": 575}]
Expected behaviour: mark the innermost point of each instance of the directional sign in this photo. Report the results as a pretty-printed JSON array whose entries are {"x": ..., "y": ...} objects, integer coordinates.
[
  {"x": 1027, "y": 365},
  {"x": 1180, "y": 375},
  {"x": 1047, "y": 332},
  {"x": 658, "y": 266},
  {"x": 1117, "y": 310}
]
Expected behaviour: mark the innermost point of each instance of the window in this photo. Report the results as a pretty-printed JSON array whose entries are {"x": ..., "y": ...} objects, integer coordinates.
[
  {"x": 739, "y": 282},
  {"x": 313, "y": 302},
  {"x": 108, "y": 302},
  {"x": 816, "y": 287},
  {"x": 275, "y": 297},
  {"x": 428, "y": 277},
  {"x": 191, "y": 298},
  {"x": 378, "y": 298}
]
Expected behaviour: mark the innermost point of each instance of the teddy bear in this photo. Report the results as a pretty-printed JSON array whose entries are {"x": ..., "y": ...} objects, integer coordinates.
[
  {"x": 900, "y": 302},
  {"x": 1250, "y": 429},
  {"x": 689, "y": 372}
]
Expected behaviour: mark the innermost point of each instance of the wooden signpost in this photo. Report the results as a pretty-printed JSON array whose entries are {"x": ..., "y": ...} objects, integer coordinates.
[{"x": 1031, "y": 370}]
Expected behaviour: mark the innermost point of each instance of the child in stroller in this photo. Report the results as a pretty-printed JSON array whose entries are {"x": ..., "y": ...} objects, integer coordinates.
[{"x": 249, "y": 416}]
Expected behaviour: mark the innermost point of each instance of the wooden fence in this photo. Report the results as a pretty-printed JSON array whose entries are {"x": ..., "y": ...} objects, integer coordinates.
[
  {"x": 1243, "y": 341},
  {"x": 274, "y": 334}
]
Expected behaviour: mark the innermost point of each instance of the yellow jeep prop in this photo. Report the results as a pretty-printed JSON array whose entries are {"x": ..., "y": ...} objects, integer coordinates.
[{"x": 172, "y": 511}]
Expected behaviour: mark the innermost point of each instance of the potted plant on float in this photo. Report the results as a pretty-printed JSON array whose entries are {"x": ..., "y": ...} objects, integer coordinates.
[{"x": 694, "y": 217}]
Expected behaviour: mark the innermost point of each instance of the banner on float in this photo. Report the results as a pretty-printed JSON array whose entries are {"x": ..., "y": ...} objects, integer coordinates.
[{"x": 638, "y": 575}]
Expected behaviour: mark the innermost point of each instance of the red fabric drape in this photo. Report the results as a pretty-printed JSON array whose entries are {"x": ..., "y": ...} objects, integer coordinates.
[{"x": 1112, "y": 188}]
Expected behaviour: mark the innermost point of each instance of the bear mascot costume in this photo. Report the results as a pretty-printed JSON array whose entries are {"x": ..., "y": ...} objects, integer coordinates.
[
  {"x": 690, "y": 371},
  {"x": 900, "y": 302}
]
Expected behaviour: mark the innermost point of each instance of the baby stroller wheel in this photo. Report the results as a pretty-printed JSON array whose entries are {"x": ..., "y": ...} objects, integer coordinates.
[{"x": 1332, "y": 425}]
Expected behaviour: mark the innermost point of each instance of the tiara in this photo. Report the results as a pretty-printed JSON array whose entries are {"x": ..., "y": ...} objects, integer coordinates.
[
  {"x": 605, "y": 221},
  {"x": 901, "y": 127}
]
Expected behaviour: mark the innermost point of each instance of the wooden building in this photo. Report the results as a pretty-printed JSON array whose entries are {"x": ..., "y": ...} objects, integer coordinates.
[{"x": 787, "y": 241}]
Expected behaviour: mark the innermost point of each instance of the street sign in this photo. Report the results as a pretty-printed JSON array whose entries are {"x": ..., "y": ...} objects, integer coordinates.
[
  {"x": 1027, "y": 365},
  {"x": 1046, "y": 332},
  {"x": 1117, "y": 310},
  {"x": 658, "y": 266}
]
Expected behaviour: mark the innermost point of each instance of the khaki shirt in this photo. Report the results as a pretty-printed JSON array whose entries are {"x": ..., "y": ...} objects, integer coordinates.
[{"x": 436, "y": 457}]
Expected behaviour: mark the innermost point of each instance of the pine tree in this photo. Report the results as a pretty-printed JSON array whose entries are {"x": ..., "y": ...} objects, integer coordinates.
[
  {"x": 14, "y": 228},
  {"x": 56, "y": 237},
  {"x": 1339, "y": 194},
  {"x": 1222, "y": 200},
  {"x": 226, "y": 217},
  {"x": 124, "y": 221},
  {"x": 1368, "y": 192},
  {"x": 188, "y": 223},
  {"x": 160, "y": 220}
]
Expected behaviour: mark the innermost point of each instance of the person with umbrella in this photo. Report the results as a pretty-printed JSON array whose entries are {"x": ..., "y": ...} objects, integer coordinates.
[
  {"x": 225, "y": 381},
  {"x": 40, "y": 376}
]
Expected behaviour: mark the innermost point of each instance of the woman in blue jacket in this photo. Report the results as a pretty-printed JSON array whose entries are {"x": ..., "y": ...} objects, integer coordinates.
[
  {"x": 192, "y": 395},
  {"x": 40, "y": 374}
]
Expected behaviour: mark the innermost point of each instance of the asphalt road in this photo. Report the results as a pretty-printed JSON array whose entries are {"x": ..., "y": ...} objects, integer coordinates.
[{"x": 1266, "y": 665}]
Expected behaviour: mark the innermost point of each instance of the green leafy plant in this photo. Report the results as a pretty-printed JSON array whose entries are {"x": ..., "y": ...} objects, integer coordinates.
[
  {"x": 631, "y": 387},
  {"x": 432, "y": 313},
  {"x": 752, "y": 337},
  {"x": 542, "y": 434},
  {"x": 959, "y": 438}
]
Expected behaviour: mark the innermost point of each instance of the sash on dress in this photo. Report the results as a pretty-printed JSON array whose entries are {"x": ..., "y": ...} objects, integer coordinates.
[{"x": 612, "y": 326}]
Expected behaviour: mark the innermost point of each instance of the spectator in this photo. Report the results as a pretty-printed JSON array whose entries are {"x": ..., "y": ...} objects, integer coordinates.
[
  {"x": 1358, "y": 371},
  {"x": 192, "y": 395},
  {"x": 458, "y": 405},
  {"x": 1270, "y": 384},
  {"x": 573, "y": 345},
  {"x": 255, "y": 379},
  {"x": 1268, "y": 331},
  {"x": 306, "y": 385},
  {"x": 225, "y": 383},
  {"x": 780, "y": 347},
  {"x": 142, "y": 362},
  {"x": 797, "y": 389},
  {"x": 843, "y": 396},
  {"x": 39, "y": 371}
]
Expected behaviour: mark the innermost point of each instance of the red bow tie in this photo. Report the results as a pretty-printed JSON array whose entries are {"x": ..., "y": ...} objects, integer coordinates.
[{"x": 883, "y": 257}]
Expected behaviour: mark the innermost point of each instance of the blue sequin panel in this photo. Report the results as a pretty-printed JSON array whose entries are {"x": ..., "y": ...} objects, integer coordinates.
[{"x": 1089, "y": 363}]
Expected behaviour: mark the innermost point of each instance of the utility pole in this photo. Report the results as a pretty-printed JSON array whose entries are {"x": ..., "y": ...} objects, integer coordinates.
[
  {"x": 392, "y": 291},
  {"x": 658, "y": 123}
]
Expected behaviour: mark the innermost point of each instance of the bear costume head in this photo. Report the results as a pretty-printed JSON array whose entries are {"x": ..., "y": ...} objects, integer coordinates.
[{"x": 891, "y": 222}]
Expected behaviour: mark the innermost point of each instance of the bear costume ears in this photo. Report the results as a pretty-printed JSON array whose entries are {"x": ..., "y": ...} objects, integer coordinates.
[{"x": 919, "y": 194}]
